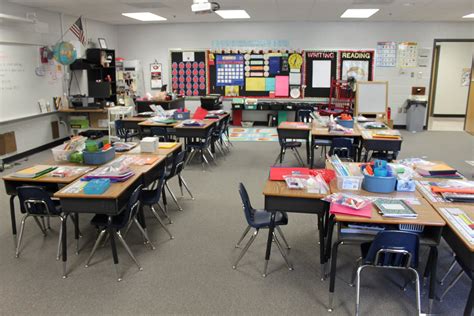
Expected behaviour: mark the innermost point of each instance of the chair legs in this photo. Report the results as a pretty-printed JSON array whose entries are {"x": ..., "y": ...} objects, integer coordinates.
[
  {"x": 124, "y": 244},
  {"x": 246, "y": 231},
  {"x": 283, "y": 237},
  {"x": 96, "y": 245},
  {"x": 160, "y": 221},
  {"x": 450, "y": 286},
  {"x": 144, "y": 233},
  {"x": 173, "y": 196},
  {"x": 185, "y": 185},
  {"x": 247, "y": 246},
  {"x": 277, "y": 242},
  {"x": 281, "y": 157},
  {"x": 451, "y": 267},
  {"x": 297, "y": 155},
  {"x": 20, "y": 236}
]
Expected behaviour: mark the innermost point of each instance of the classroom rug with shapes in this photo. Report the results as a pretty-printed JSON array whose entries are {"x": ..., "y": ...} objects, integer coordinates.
[{"x": 253, "y": 134}]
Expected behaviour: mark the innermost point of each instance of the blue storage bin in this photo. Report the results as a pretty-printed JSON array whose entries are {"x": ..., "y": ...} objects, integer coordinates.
[
  {"x": 378, "y": 184},
  {"x": 99, "y": 157},
  {"x": 346, "y": 124},
  {"x": 180, "y": 116},
  {"x": 97, "y": 186}
]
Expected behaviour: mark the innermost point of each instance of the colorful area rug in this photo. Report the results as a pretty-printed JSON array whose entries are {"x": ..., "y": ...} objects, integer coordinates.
[{"x": 253, "y": 134}]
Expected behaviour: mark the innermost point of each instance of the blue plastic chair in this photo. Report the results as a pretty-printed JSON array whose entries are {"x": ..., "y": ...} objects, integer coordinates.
[
  {"x": 286, "y": 143},
  {"x": 258, "y": 219},
  {"x": 124, "y": 220},
  {"x": 201, "y": 145},
  {"x": 342, "y": 147},
  {"x": 124, "y": 133},
  {"x": 161, "y": 132},
  {"x": 175, "y": 170},
  {"x": 391, "y": 249},
  {"x": 35, "y": 202}
]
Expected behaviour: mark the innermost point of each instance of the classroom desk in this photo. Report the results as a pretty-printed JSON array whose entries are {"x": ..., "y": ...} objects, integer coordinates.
[
  {"x": 189, "y": 132},
  {"x": 460, "y": 245},
  {"x": 320, "y": 132},
  {"x": 427, "y": 216},
  {"x": 132, "y": 122},
  {"x": 49, "y": 183},
  {"x": 297, "y": 130},
  {"x": 377, "y": 144},
  {"x": 279, "y": 198},
  {"x": 112, "y": 202}
]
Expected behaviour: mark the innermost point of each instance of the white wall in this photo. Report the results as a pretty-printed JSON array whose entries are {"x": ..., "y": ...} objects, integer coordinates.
[
  {"x": 152, "y": 41},
  {"x": 451, "y": 96},
  {"x": 32, "y": 133}
]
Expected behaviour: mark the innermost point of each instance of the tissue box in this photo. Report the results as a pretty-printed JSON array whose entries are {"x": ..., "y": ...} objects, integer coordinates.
[
  {"x": 149, "y": 144},
  {"x": 404, "y": 185}
]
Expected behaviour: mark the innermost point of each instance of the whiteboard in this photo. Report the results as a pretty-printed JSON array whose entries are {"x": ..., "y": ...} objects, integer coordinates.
[
  {"x": 21, "y": 87},
  {"x": 371, "y": 97},
  {"x": 321, "y": 74}
]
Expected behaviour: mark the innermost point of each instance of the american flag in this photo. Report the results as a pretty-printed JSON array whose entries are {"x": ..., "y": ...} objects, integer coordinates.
[{"x": 78, "y": 30}]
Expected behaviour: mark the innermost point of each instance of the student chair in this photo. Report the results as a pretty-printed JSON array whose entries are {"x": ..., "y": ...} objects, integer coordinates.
[
  {"x": 201, "y": 145},
  {"x": 391, "y": 249},
  {"x": 123, "y": 132},
  {"x": 116, "y": 223},
  {"x": 287, "y": 143},
  {"x": 343, "y": 148},
  {"x": 258, "y": 219},
  {"x": 152, "y": 196},
  {"x": 226, "y": 132},
  {"x": 175, "y": 170},
  {"x": 464, "y": 270},
  {"x": 35, "y": 202},
  {"x": 304, "y": 115},
  {"x": 160, "y": 132},
  {"x": 218, "y": 137}
]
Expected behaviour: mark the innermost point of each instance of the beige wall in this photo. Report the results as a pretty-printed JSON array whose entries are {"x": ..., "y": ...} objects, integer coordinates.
[{"x": 451, "y": 96}]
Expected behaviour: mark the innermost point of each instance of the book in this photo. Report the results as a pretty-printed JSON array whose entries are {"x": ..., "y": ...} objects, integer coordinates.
[
  {"x": 458, "y": 197},
  {"x": 34, "y": 172},
  {"x": 166, "y": 145},
  {"x": 461, "y": 221},
  {"x": 395, "y": 208},
  {"x": 434, "y": 169}
]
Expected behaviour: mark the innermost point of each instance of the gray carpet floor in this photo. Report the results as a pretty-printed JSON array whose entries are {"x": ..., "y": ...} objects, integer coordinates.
[{"x": 193, "y": 274}]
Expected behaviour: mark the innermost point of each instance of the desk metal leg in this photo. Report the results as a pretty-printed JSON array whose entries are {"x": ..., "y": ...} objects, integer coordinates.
[
  {"x": 433, "y": 264},
  {"x": 64, "y": 245},
  {"x": 470, "y": 301},
  {"x": 76, "y": 231},
  {"x": 308, "y": 151},
  {"x": 269, "y": 243},
  {"x": 322, "y": 258},
  {"x": 332, "y": 279},
  {"x": 114, "y": 250},
  {"x": 312, "y": 155},
  {"x": 13, "y": 218}
]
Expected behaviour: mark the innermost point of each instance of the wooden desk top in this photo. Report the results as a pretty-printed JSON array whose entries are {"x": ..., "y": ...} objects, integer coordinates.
[
  {"x": 317, "y": 130},
  {"x": 83, "y": 110},
  {"x": 158, "y": 124},
  {"x": 135, "y": 119},
  {"x": 207, "y": 123},
  {"x": 367, "y": 133},
  {"x": 279, "y": 188},
  {"x": 469, "y": 210},
  {"x": 159, "y": 151},
  {"x": 47, "y": 178},
  {"x": 294, "y": 126}
]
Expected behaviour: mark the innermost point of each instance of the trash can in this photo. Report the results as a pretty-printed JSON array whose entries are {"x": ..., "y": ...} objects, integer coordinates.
[{"x": 416, "y": 112}]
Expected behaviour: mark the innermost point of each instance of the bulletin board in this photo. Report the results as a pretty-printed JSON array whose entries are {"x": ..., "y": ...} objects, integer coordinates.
[
  {"x": 189, "y": 72},
  {"x": 371, "y": 97},
  {"x": 320, "y": 69},
  {"x": 356, "y": 63},
  {"x": 261, "y": 73}
]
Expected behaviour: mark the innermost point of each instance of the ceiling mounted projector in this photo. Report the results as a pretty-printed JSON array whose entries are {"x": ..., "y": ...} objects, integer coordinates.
[{"x": 204, "y": 6}]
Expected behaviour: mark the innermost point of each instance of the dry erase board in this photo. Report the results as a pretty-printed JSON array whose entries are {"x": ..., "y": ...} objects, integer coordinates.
[
  {"x": 188, "y": 72},
  {"x": 320, "y": 69},
  {"x": 24, "y": 81},
  {"x": 371, "y": 97}
]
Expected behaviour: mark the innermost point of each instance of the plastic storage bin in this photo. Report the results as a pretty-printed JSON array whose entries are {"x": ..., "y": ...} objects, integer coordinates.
[
  {"x": 379, "y": 184},
  {"x": 98, "y": 158},
  {"x": 97, "y": 186},
  {"x": 346, "y": 123},
  {"x": 180, "y": 116},
  {"x": 276, "y": 106},
  {"x": 60, "y": 154},
  {"x": 251, "y": 106},
  {"x": 352, "y": 183}
]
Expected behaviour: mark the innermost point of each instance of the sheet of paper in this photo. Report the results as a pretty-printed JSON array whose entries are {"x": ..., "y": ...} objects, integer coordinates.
[
  {"x": 255, "y": 84},
  {"x": 321, "y": 77},
  {"x": 270, "y": 84},
  {"x": 188, "y": 56},
  {"x": 281, "y": 86},
  {"x": 393, "y": 207},
  {"x": 295, "y": 78}
]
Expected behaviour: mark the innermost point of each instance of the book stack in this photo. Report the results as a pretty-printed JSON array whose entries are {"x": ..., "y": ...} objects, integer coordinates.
[
  {"x": 116, "y": 171},
  {"x": 34, "y": 172},
  {"x": 437, "y": 170},
  {"x": 395, "y": 208}
]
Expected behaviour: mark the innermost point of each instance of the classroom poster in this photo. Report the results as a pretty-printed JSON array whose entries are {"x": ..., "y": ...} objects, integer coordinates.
[
  {"x": 386, "y": 54},
  {"x": 188, "y": 73},
  {"x": 407, "y": 55},
  {"x": 155, "y": 76},
  {"x": 230, "y": 70},
  {"x": 356, "y": 64},
  {"x": 320, "y": 69}
]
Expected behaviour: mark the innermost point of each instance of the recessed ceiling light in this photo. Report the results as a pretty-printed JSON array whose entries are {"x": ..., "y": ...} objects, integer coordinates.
[
  {"x": 144, "y": 16},
  {"x": 469, "y": 16},
  {"x": 358, "y": 13},
  {"x": 233, "y": 14}
]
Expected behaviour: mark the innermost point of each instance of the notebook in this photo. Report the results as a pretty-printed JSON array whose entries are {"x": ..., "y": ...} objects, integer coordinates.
[
  {"x": 395, "y": 208},
  {"x": 166, "y": 145},
  {"x": 34, "y": 172},
  {"x": 434, "y": 170}
]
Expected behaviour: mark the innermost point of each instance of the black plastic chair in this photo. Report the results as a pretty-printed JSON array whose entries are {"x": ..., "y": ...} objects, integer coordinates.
[
  {"x": 464, "y": 270},
  {"x": 286, "y": 143},
  {"x": 161, "y": 132},
  {"x": 123, "y": 132},
  {"x": 218, "y": 137},
  {"x": 35, "y": 202},
  {"x": 151, "y": 197},
  {"x": 116, "y": 223},
  {"x": 391, "y": 249},
  {"x": 343, "y": 148},
  {"x": 175, "y": 170},
  {"x": 226, "y": 137},
  {"x": 258, "y": 219},
  {"x": 304, "y": 115},
  {"x": 201, "y": 145}
]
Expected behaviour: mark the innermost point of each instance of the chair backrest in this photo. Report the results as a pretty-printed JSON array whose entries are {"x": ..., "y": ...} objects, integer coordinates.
[
  {"x": 132, "y": 208},
  {"x": 159, "y": 131},
  {"x": 248, "y": 209},
  {"x": 119, "y": 129},
  {"x": 208, "y": 136},
  {"x": 158, "y": 188},
  {"x": 36, "y": 201},
  {"x": 178, "y": 164},
  {"x": 393, "y": 248},
  {"x": 342, "y": 147},
  {"x": 304, "y": 115}
]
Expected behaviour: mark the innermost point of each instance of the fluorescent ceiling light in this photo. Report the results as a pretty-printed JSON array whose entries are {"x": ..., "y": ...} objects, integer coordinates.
[
  {"x": 469, "y": 16},
  {"x": 144, "y": 16},
  {"x": 358, "y": 13},
  {"x": 233, "y": 14}
]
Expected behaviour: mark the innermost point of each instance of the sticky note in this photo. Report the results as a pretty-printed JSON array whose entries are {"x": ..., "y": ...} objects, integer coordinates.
[
  {"x": 295, "y": 78},
  {"x": 281, "y": 86},
  {"x": 270, "y": 84},
  {"x": 255, "y": 84}
]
